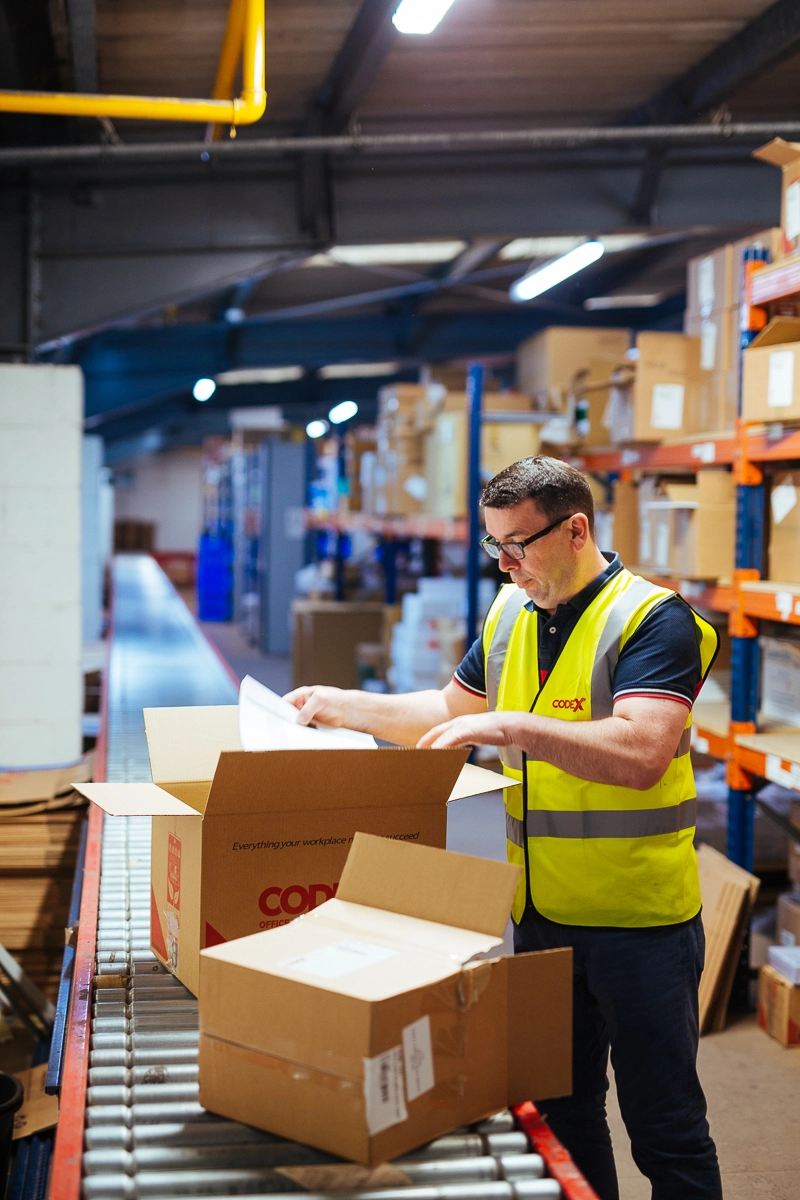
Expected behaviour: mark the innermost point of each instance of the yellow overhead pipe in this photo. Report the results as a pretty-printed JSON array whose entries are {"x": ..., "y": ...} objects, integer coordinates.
[{"x": 245, "y": 30}]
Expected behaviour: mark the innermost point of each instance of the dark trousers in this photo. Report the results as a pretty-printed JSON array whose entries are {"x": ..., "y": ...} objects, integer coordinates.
[{"x": 635, "y": 991}]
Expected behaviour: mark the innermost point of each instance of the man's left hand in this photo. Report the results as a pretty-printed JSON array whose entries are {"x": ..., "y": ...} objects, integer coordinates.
[{"x": 479, "y": 729}]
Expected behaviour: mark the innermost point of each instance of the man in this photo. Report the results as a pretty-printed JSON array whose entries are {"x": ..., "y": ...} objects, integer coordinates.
[{"x": 585, "y": 677}]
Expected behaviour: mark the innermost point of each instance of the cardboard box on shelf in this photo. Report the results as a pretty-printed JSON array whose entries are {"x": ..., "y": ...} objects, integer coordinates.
[
  {"x": 687, "y": 529},
  {"x": 780, "y": 680},
  {"x": 778, "y": 1007},
  {"x": 787, "y": 926},
  {"x": 786, "y": 155},
  {"x": 446, "y": 458},
  {"x": 246, "y": 840},
  {"x": 626, "y": 522},
  {"x": 709, "y": 282},
  {"x": 717, "y": 375},
  {"x": 771, "y": 378},
  {"x": 664, "y": 390},
  {"x": 784, "y": 535},
  {"x": 325, "y": 634},
  {"x": 793, "y": 864},
  {"x": 548, "y": 362},
  {"x": 366, "y": 1029}
]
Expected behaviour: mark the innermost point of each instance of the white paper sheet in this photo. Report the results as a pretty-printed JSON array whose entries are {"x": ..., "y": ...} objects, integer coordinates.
[{"x": 267, "y": 722}]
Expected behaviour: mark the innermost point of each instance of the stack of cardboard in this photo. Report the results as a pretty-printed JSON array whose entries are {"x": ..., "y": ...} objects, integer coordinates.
[
  {"x": 548, "y": 362},
  {"x": 729, "y": 894},
  {"x": 325, "y": 634},
  {"x": 771, "y": 379},
  {"x": 784, "y": 536},
  {"x": 655, "y": 394},
  {"x": 714, "y": 296},
  {"x": 686, "y": 528},
  {"x": 397, "y": 485}
]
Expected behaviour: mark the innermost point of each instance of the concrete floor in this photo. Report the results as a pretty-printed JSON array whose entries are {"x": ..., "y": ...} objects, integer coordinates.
[{"x": 751, "y": 1082}]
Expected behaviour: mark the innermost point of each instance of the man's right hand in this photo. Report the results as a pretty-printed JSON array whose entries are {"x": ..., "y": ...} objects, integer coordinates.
[{"x": 326, "y": 705}]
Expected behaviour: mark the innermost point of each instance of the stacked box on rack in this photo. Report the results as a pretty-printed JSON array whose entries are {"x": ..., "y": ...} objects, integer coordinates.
[
  {"x": 771, "y": 375},
  {"x": 325, "y": 635},
  {"x": 396, "y": 486},
  {"x": 426, "y": 640},
  {"x": 686, "y": 529},
  {"x": 784, "y": 535},
  {"x": 656, "y": 394},
  {"x": 548, "y": 362},
  {"x": 786, "y": 155}
]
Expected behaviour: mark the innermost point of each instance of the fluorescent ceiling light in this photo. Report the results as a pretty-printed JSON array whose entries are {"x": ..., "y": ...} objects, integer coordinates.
[
  {"x": 261, "y": 375},
  {"x": 546, "y": 277},
  {"x": 256, "y": 418},
  {"x": 343, "y": 412},
  {"x": 358, "y": 370},
  {"x": 396, "y": 252},
  {"x": 645, "y": 300},
  {"x": 549, "y": 247},
  {"x": 419, "y": 16},
  {"x": 204, "y": 389},
  {"x": 317, "y": 429}
]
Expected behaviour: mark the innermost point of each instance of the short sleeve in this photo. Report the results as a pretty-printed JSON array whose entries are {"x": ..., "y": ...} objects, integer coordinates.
[
  {"x": 471, "y": 672},
  {"x": 662, "y": 658}
]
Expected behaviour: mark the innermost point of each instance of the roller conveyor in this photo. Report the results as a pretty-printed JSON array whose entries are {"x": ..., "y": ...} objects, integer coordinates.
[{"x": 131, "y": 1126}]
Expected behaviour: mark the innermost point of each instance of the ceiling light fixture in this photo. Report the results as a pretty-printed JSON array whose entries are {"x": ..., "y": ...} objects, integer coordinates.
[
  {"x": 260, "y": 375},
  {"x": 204, "y": 389},
  {"x": 549, "y": 247},
  {"x": 419, "y": 16},
  {"x": 317, "y": 429},
  {"x": 638, "y": 300},
  {"x": 546, "y": 277},
  {"x": 342, "y": 412},
  {"x": 358, "y": 370},
  {"x": 396, "y": 253}
]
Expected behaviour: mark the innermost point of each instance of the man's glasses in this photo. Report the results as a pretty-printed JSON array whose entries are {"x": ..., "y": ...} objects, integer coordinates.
[{"x": 517, "y": 549}]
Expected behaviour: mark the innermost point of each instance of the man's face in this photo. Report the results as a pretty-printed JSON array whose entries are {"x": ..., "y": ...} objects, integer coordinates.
[{"x": 548, "y": 563}]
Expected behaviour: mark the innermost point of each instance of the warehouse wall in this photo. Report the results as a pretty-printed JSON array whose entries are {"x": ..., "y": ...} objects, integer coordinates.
[{"x": 167, "y": 489}]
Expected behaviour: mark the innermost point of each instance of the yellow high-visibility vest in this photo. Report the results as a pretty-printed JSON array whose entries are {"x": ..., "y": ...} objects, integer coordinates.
[{"x": 593, "y": 853}]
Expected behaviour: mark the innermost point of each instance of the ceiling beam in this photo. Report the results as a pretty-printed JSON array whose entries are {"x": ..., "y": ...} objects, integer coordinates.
[
  {"x": 352, "y": 73},
  {"x": 762, "y": 43},
  {"x": 83, "y": 39}
]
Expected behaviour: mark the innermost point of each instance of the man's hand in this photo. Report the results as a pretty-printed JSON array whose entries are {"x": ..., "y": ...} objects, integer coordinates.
[
  {"x": 327, "y": 705},
  {"x": 477, "y": 729}
]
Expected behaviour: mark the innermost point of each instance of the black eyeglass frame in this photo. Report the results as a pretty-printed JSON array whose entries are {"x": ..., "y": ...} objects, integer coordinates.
[{"x": 490, "y": 545}]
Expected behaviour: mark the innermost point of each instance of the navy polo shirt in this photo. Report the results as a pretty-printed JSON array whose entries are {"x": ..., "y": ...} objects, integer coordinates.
[{"x": 662, "y": 658}]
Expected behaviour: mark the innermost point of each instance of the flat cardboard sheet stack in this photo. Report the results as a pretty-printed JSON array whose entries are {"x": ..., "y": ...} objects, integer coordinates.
[
  {"x": 729, "y": 894},
  {"x": 38, "y": 850}
]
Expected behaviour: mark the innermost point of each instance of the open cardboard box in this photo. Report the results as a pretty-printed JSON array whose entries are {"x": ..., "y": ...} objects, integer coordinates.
[
  {"x": 246, "y": 840},
  {"x": 364, "y": 1029}
]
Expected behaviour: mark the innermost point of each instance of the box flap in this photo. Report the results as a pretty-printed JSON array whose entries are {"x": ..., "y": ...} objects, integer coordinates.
[
  {"x": 436, "y": 885},
  {"x": 185, "y": 743},
  {"x": 778, "y": 152},
  {"x": 134, "y": 800},
  {"x": 455, "y": 944},
  {"x": 778, "y": 332},
  {"x": 299, "y": 781},
  {"x": 474, "y": 781},
  {"x": 539, "y": 1025}
]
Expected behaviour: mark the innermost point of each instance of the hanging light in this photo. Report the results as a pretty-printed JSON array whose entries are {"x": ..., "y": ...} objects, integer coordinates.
[
  {"x": 546, "y": 277},
  {"x": 204, "y": 389},
  {"x": 419, "y": 16},
  {"x": 342, "y": 412},
  {"x": 317, "y": 429}
]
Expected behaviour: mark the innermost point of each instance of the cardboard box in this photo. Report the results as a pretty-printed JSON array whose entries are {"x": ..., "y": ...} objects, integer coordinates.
[
  {"x": 688, "y": 529},
  {"x": 664, "y": 390},
  {"x": 548, "y": 362},
  {"x": 709, "y": 282},
  {"x": 244, "y": 841},
  {"x": 365, "y": 1030},
  {"x": 325, "y": 634},
  {"x": 771, "y": 379},
  {"x": 793, "y": 864},
  {"x": 780, "y": 680},
  {"x": 446, "y": 457},
  {"x": 778, "y": 1007},
  {"x": 626, "y": 522},
  {"x": 784, "y": 534},
  {"x": 787, "y": 927},
  {"x": 786, "y": 155}
]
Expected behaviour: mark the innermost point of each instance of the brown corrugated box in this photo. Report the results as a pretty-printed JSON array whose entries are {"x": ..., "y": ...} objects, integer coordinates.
[
  {"x": 778, "y": 1007},
  {"x": 365, "y": 1030},
  {"x": 784, "y": 535},
  {"x": 787, "y": 929},
  {"x": 325, "y": 634},
  {"x": 548, "y": 362},
  {"x": 786, "y": 155},
  {"x": 771, "y": 378},
  {"x": 244, "y": 841}
]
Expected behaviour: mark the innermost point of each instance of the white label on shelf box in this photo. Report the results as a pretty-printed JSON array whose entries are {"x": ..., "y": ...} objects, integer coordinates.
[
  {"x": 342, "y": 958},
  {"x": 783, "y": 500},
  {"x": 661, "y": 554},
  {"x": 777, "y": 773},
  {"x": 792, "y": 213},
  {"x": 666, "y": 407},
  {"x": 418, "y": 1058},
  {"x": 706, "y": 452},
  {"x": 705, "y": 284},
  {"x": 708, "y": 345},
  {"x": 383, "y": 1090},
  {"x": 784, "y": 602},
  {"x": 780, "y": 388}
]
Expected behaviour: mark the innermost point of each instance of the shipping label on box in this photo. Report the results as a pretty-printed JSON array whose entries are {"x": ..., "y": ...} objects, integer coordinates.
[{"x": 365, "y": 1028}]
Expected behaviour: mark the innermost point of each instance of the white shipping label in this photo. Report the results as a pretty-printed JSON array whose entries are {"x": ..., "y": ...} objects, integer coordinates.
[
  {"x": 661, "y": 555},
  {"x": 783, "y": 500},
  {"x": 342, "y": 958},
  {"x": 708, "y": 345},
  {"x": 792, "y": 213},
  {"x": 666, "y": 407},
  {"x": 383, "y": 1090},
  {"x": 705, "y": 284},
  {"x": 780, "y": 388},
  {"x": 418, "y": 1058}
]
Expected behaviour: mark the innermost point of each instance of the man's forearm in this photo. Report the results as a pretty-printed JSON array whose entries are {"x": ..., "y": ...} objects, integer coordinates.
[
  {"x": 607, "y": 751},
  {"x": 402, "y": 719}
]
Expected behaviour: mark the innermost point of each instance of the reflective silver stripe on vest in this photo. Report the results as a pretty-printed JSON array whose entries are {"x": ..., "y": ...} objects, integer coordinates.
[
  {"x": 510, "y": 756},
  {"x": 684, "y": 745},
  {"x": 605, "y": 823},
  {"x": 605, "y": 660}
]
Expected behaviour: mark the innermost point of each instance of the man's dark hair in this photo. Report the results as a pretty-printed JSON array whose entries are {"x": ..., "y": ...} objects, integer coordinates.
[{"x": 556, "y": 488}]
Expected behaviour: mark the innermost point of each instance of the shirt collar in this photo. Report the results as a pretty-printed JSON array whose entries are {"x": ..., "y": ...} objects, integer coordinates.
[{"x": 581, "y": 601}]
